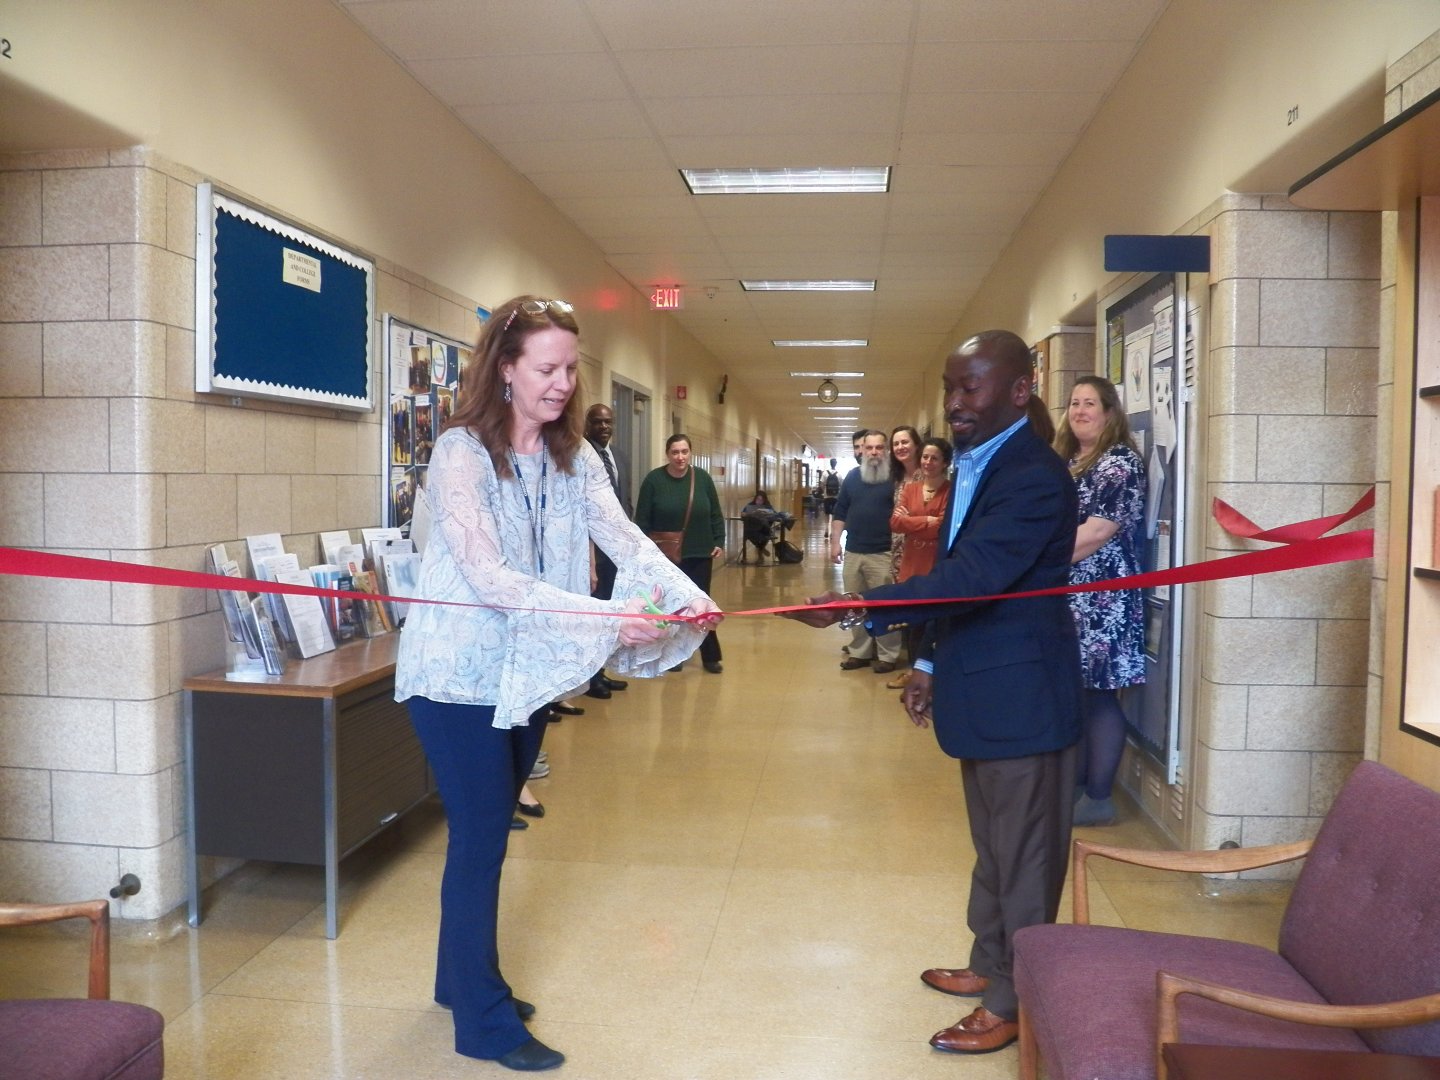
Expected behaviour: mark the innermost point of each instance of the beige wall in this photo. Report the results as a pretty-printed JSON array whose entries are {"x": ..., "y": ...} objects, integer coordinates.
[{"x": 1202, "y": 110}]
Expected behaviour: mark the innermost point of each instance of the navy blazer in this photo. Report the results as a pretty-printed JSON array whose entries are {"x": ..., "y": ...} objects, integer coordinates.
[{"x": 1007, "y": 672}]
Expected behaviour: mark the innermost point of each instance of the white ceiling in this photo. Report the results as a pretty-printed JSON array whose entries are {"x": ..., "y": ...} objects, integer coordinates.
[{"x": 600, "y": 102}]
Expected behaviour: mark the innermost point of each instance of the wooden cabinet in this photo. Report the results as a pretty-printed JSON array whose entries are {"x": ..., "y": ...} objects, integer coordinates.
[
  {"x": 302, "y": 767},
  {"x": 1421, "y": 708}
]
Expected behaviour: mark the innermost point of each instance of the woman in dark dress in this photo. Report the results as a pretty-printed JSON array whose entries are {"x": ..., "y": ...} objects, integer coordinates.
[{"x": 1095, "y": 438}]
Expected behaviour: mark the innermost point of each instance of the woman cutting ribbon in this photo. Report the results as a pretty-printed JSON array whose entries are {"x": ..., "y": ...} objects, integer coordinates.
[{"x": 517, "y": 496}]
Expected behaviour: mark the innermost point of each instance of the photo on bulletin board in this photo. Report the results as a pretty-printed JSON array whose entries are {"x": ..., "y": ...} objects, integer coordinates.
[
  {"x": 1115, "y": 354},
  {"x": 422, "y": 376}
]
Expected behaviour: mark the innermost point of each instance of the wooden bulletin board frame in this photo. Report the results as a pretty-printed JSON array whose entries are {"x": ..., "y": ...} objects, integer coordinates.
[{"x": 279, "y": 313}]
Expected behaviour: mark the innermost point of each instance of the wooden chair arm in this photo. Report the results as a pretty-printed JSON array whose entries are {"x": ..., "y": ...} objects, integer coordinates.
[
  {"x": 1226, "y": 861},
  {"x": 1169, "y": 987},
  {"x": 97, "y": 911}
]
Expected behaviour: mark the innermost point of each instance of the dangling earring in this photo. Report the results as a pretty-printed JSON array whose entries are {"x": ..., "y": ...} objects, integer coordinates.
[{"x": 507, "y": 394}]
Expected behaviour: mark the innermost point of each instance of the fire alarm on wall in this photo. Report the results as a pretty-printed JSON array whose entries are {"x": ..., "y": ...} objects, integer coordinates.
[{"x": 679, "y": 393}]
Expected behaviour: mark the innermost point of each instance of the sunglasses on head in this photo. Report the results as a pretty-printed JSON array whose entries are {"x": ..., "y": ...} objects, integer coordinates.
[{"x": 538, "y": 307}]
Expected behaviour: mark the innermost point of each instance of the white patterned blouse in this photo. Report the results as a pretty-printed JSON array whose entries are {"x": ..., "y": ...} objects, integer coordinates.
[{"x": 530, "y": 641}]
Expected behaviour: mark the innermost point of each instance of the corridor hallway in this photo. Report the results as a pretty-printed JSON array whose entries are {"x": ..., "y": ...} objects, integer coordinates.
[{"x": 738, "y": 877}]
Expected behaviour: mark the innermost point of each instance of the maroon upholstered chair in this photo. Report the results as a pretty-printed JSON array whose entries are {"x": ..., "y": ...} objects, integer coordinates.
[
  {"x": 90, "y": 1038},
  {"x": 1358, "y": 965}
]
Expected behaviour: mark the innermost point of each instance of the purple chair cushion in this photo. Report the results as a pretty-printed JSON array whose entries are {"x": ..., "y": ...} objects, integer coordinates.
[
  {"x": 80, "y": 1040},
  {"x": 1089, "y": 993},
  {"x": 1363, "y": 924}
]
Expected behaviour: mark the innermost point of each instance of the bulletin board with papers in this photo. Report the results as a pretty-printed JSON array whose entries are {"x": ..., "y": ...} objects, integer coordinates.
[
  {"x": 422, "y": 377},
  {"x": 1145, "y": 348}
]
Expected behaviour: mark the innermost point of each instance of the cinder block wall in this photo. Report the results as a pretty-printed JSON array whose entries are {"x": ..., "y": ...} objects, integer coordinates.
[{"x": 107, "y": 451}]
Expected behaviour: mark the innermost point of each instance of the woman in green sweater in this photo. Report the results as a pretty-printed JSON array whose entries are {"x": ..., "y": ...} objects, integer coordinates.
[{"x": 667, "y": 505}]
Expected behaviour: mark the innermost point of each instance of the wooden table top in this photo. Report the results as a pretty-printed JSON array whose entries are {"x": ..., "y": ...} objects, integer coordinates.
[{"x": 349, "y": 667}]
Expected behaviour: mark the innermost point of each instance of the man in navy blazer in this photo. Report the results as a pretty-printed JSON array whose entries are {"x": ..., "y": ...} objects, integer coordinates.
[{"x": 999, "y": 678}]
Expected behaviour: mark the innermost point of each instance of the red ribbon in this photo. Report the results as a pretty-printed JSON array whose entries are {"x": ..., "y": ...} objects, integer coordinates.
[{"x": 1304, "y": 543}]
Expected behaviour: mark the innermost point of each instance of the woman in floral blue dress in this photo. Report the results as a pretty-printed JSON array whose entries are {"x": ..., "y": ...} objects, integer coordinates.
[{"x": 1095, "y": 438}]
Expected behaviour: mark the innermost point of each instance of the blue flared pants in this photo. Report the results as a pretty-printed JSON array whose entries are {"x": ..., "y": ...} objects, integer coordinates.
[{"x": 479, "y": 769}]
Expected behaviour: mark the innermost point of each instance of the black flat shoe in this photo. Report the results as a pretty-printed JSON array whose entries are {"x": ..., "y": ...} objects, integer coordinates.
[
  {"x": 713, "y": 667},
  {"x": 598, "y": 690},
  {"x": 678, "y": 667},
  {"x": 523, "y": 1009},
  {"x": 615, "y": 684},
  {"x": 519, "y": 823},
  {"x": 532, "y": 1056},
  {"x": 531, "y": 809},
  {"x": 567, "y": 710}
]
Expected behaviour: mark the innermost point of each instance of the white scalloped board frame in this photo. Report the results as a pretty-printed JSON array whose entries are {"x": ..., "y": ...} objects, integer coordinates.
[{"x": 207, "y": 203}]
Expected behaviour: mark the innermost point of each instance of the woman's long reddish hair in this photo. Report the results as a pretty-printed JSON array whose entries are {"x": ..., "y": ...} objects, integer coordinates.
[{"x": 480, "y": 405}]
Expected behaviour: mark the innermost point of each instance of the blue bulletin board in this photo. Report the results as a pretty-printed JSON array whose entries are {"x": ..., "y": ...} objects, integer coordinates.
[{"x": 279, "y": 313}]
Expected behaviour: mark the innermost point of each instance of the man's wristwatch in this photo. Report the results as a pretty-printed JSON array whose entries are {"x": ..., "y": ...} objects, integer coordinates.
[{"x": 855, "y": 616}]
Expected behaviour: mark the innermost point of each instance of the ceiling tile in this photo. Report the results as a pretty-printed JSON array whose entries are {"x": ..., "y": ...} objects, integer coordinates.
[
  {"x": 1031, "y": 66},
  {"x": 1036, "y": 20},
  {"x": 545, "y": 121},
  {"x": 498, "y": 80},
  {"x": 776, "y": 114},
  {"x": 784, "y": 70},
  {"x": 963, "y": 113},
  {"x": 1044, "y": 150},
  {"x": 752, "y": 22},
  {"x": 430, "y": 29},
  {"x": 604, "y": 155}
]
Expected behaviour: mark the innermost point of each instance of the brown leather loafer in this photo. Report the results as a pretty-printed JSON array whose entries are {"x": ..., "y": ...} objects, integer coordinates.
[
  {"x": 853, "y": 663},
  {"x": 982, "y": 1032},
  {"x": 962, "y": 982}
]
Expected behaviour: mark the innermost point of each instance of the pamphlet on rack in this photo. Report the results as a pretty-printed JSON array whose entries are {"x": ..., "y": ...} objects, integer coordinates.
[
  {"x": 306, "y": 614},
  {"x": 269, "y": 643},
  {"x": 275, "y": 602},
  {"x": 244, "y": 654},
  {"x": 340, "y": 611},
  {"x": 376, "y": 619},
  {"x": 400, "y": 576},
  {"x": 332, "y": 542},
  {"x": 374, "y": 538}
]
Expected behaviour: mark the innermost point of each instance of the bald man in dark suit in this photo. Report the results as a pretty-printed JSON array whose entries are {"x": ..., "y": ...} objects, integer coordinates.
[{"x": 999, "y": 678}]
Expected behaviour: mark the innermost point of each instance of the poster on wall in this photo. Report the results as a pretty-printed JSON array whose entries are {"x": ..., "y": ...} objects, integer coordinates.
[{"x": 423, "y": 374}]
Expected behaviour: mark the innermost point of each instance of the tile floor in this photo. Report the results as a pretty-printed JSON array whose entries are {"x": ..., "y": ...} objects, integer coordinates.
[{"x": 738, "y": 876}]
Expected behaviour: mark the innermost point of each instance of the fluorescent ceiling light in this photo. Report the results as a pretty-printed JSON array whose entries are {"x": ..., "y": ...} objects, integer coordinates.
[
  {"x": 843, "y": 393},
  {"x": 821, "y": 343},
  {"x": 827, "y": 374},
  {"x": 815, "y": 181},
  {"x": 834, "y": 408},
  {"x": 807, "y": 286}
]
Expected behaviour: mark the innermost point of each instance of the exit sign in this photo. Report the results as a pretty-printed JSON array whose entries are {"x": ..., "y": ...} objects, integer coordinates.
[{"x": 667, "y": 298}]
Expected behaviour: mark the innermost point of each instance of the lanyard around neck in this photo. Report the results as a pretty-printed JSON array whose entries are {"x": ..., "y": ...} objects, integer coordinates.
[{"x": 536, "y": 518}]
